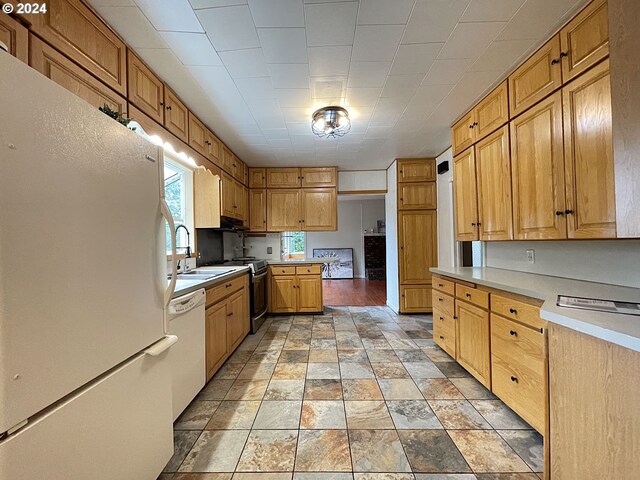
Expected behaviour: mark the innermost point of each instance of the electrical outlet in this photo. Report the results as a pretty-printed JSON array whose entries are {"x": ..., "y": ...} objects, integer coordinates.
[
  {"x": 269, "y": 250},
  {"x": 531, "y": 256}
]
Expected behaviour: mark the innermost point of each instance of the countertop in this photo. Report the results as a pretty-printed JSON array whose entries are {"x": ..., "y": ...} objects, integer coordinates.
[
  {"x": 623, "y": 330},
  {"x": 185, "y": 285},
  {"x": 298, "y": 261}
]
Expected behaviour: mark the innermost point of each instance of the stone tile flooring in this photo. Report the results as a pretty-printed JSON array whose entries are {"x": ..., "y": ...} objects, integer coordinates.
[{"x": 359, "y": 393}]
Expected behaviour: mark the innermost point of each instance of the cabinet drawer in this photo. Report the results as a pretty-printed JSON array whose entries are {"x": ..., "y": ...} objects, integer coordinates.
[
  {"x": 309, "y": 270},
  {"x": 445, "y": 286},
  {"x": 521, "y": 389},
  {"x": 217, "y": 293},
  {"x": 444, "y": 332},
  {"x": 517, "y": 310},
  {"x": 278, "y": 270},
  {"x": 517, "y": 344},
  {"x": 472, "y": 295},
  {"x": 443, "y": 303}
]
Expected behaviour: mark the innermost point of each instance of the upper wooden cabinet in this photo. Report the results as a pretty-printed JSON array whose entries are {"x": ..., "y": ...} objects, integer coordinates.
[
  {"x": 319, "y": 209},
  {"x": 228, "y": 196},
  {"x": 176, "y": 115},
  {"x": 319, "y": 177},
  {"x": 258, "y": 210},
  {"x": 590, "y": 189},
  {"x": 465, "y": 196},
  {"x": 15, "y": 36},
  {"x": 64, "y": 72},
  {"x": 206, "y": 199},
  {"x": 257, "y": 178},
  {"x": 72, "y": 28},
  {"x": 492, "y": 112},
  {"x": 416, "y": 170},
  {"x": 283, "y": 177},
  {"x": 283, "y": 210},
  {"x": 537, "y": 167},
  {"x": 463, "y": 133},
  {"x": 146, "y": 91},
  {"x": 227, "y": 160},
  {"x": 493, "y": 169},
  {"x": 413, "y": 196},
  {"x": 240, "y": 200},
  {"x": 213, "y": 147},
  {"x": 418, "y": 240},
  {"x": 536, "y": 78},
  {"x": 585, "y": 39},
  {"x": 197, "y": 134}
]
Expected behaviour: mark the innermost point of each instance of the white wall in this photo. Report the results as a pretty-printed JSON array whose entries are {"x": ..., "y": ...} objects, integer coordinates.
[
  {"x": 362, "y": 180},
  {"x": 354, "y": 216},
  {"x": 447, "y": 256},
  {"x": 605, "y": 261},
  {"x": 391, "y": 210},
  {"x": 259, "y": 246}
]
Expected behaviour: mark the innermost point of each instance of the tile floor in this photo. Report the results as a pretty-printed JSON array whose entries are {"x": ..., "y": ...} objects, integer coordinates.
[{"x": 359, "y": 393}]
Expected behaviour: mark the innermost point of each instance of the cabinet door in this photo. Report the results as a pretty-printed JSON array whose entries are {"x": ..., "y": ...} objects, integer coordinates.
[
  {"x": 257, "y": 178},
  {"x": 415, "y": 298},
  {"x": 197, "y": 135},
  {"x": 319, "y": 209},
  {"x": 492, "y": 112},
  {"x": 493, "y": 167},
  {"x": 216, "y": 337},
  {"x": 176, "y": 115},
  {"x": 258, "y": 210},
  {"x": 309, "y": 293},
  {"x": 319, "y": 177},
  {"x": 228, "y": 196},
  {"x": 465, "y": 196},
  {"x": 418, "y": 237},
  {"x": 237, "y": 318},
  {"x": 536, "y": 78},
  {"x": 64, "y": 72},
  {"x": 590, "y": 188},
  {"x": 239, "y": 201},
  {"x": 206, "y": 199},
  {"x": 417, "y": 170},
  {"x": 146, "y": 91},
  {"x": 237, "y": 168},
  {"x": 585, "y": 39},
  {"x": 283, "y": 210},
  {"x": 473, "y": 341},
  {"x": 73, "y": 29},
  {"x": 283, "y": 294},
  {"x": 213, "y": 147},
  {"x": 463, "y": 133},
  {"x": 413, "y": 196},
  {"x": 15, "y": 36},
  {"x": 537, "y": 169},
  {"x": 283, "y": 177},
  {"x": 227, "y": 160}
]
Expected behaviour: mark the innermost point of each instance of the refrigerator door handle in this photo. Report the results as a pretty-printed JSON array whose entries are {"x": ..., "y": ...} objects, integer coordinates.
[
  {"x": 161, "y": 346},
  {"x": 166, "y": 213}
]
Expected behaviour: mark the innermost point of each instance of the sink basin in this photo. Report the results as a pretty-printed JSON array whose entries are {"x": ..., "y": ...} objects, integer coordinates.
[{"x": 202, "y": 274}]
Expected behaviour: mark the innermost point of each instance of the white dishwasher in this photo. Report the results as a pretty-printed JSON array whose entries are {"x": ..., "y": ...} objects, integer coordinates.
[{"x": 187, "y": 356}]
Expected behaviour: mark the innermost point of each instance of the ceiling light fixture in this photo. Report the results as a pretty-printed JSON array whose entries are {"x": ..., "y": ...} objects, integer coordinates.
[{"x": 330, "y": 122}]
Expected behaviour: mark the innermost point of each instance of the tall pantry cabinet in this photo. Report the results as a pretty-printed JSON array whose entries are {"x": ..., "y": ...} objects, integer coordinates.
[{"x": 417, "y": 232}]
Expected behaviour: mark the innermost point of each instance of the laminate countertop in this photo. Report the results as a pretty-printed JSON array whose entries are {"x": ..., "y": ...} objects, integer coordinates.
[
  {"x": 190, "y": 282},
  {"x": 299, "y": 261},
  {"x": 620, "y": 329}
]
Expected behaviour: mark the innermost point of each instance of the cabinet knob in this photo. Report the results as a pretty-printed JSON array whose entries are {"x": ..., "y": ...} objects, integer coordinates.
[
  {"x": 513, "y": 333},
  {"x": 441, "y": 318},
  {"x": 440, "y": 285},
  {"x": 513, "y": 310},
  {"x": 559, "y": 212},
  {"x": 479, "y": 224},
  {"x": 441, "y": 337},
  {"x": 162, "y": 104},
  {"x": 230, "y": 314},
  {"x": 455, "y": 318},
  {"x": 568, "y": 212},
  {"x": 514, "y": 379},
  {"x": 468, "y": 295},
  {"x": 473, "y": 224},
  {"x": 555, "y": 61},
  {"x": 440, "y": 299},
  {"x": 564, "y": 54},
  {"x": 474, "y": 124},
  {"x": 168, "y": 107}
]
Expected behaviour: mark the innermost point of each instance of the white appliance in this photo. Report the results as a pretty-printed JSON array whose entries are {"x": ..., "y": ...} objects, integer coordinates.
[
  {"x": 186, "y": 321},
  {"x": 85, "y": 389}
]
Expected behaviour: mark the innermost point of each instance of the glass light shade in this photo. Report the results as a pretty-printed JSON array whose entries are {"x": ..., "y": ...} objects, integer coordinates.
[{"x": 330, "y": 121}]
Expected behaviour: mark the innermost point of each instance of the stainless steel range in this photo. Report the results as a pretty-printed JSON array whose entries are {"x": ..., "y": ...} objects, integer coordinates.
[{"x": 257, "y": 288}]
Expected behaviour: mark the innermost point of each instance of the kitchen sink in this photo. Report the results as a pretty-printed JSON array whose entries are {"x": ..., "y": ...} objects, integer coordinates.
[{"x": 202, "y": 274}]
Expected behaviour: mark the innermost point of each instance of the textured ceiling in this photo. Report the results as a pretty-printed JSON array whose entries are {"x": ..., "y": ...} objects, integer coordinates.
[{"x": 255, "y": 70}]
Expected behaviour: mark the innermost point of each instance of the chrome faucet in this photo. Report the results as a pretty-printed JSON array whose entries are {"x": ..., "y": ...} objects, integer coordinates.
[{"x": 187, "y": 252}]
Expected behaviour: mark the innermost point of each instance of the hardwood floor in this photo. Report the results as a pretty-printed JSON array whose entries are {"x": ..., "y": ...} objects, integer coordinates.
[{"x": 357, "y": 292}]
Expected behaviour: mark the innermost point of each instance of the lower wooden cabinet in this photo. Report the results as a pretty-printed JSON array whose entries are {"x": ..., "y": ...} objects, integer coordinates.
[
  {"x": 415, "y": 298},
  {"x": 227, "y": 321},
  {"x": 296, "y": 289},
  {"x": 473, "y": 341}
]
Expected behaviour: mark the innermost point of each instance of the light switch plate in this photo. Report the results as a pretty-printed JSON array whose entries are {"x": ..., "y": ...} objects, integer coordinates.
[
  {"x": 269, "y": 250},
  {"x": 531, "y": 256}
]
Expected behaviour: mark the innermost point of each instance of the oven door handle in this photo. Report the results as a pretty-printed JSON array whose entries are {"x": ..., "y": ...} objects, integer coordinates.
[
  {"x": 262, "y": 314},
  {"x": 260, "y": 276}
]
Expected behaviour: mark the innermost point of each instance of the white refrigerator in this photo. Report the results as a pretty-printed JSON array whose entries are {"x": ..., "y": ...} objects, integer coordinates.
[{"x": 85, "y": 389}]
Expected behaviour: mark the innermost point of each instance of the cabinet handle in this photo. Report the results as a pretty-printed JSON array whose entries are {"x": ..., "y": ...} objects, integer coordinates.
[
  {"x": 441, "y": 318},
  {"x": 513, "y": 310},
  {"x": 439, "y": 299},
  {"x": 227, "y": 285},
  {"x": 513, "y": 333},
  {"x": 162, "y": 104},
  {"x": 401, "y": 199},
  {"x": 514, "y": 379},
  {"x": 475, "y": 124},
  {"x": 168, "y": 107},
  {"x": 468, "y": 295},
  {"x": 555, "y": 61},
  {"x": 230, "y": 314},
  {"x": 478, "y": 224},
  {"x": 441, "y": 337},
  {"x": 568, "y": 212},
  {"x": 455, "y": 318},
  {"x": 564, "y": 54},
  {"x": 471, "y": 126},
  {"x": 473, "y": 224},
  {"x": 559, "y": 212},
  {"x": 440, "y": 285}
]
